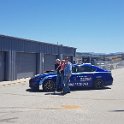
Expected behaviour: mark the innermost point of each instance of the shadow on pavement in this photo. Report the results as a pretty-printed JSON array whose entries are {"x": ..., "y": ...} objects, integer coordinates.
[
  {"x": 118, "y": 110},
  {"x": 72, "y": 90},
  {"x": 88, "y": 89},
  {"x": 30, "y": 90},
  {"x": 57, "y": 93},
  {"x": 46, "y": 93}
]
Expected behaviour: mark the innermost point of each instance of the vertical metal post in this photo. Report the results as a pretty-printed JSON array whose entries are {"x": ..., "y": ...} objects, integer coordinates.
[
  {"x": 40, "y": 63},
  {"x": 10, "y": 67}
]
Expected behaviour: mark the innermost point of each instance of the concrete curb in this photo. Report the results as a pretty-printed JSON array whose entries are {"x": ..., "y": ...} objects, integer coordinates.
[{"x": 10, "y": 83}]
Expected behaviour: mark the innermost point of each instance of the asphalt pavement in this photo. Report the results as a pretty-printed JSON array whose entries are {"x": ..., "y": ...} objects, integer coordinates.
[{"x": 19, "y": 105}]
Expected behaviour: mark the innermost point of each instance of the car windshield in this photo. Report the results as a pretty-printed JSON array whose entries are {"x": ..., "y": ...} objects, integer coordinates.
[{"x": 51, "y": 72}]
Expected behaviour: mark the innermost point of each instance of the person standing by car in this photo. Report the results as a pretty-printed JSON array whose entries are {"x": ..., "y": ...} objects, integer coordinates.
[
  {"x": 67, "y": 75},
  {"x": 62, "y": 72},
  {"x": 57, "y": 68}
]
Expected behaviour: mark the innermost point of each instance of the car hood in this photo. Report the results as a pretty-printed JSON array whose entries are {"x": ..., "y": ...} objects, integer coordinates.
[{"x": 43, "y": 75}]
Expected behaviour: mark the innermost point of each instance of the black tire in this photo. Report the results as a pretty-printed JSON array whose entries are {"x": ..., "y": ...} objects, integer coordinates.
[
  {"x": 48, "y": 86},
  {"x": 98, "y": 84},
  {"x": 35, "y": 88}
]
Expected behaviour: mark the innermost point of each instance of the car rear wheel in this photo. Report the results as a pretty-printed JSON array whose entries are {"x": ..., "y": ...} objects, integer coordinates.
[
  {"x": 98, "y": 84},
  {"x": 48, "y": 85}
]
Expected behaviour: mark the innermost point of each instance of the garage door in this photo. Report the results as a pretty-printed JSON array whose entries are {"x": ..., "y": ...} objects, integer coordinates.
[
  {"x": 49, "y": 62},
  {"x": 2, "y": 66},
  {"x": 25, "y": 65}
]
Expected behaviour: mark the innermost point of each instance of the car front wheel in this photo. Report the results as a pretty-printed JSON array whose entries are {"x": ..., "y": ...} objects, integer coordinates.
[{"x": 48, "y": 85}]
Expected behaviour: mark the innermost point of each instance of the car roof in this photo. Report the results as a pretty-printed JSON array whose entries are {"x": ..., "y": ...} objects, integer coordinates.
[{"x": 88, "y": 64}]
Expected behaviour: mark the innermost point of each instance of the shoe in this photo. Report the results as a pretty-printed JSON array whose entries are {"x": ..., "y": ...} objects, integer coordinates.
[
  {"x": 63, "y": 93},
  {"x": 68, "y": 92}
]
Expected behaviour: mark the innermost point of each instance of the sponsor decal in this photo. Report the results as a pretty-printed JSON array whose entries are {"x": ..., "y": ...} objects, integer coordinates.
[{"x": 84, "y": 79}]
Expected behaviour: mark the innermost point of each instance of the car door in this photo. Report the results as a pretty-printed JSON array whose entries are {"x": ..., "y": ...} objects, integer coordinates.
[
  {"x": 74, "y": 77},
  {"x": 74, "y": 80},
  {"x": 83, "y": 76}
]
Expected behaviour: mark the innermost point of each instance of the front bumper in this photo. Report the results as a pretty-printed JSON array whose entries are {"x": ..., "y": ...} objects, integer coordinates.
[{"x": 33, "y": 83}]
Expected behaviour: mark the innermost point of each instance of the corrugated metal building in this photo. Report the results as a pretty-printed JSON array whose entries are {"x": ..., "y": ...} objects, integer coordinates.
[{"x": 21, "y": 58}]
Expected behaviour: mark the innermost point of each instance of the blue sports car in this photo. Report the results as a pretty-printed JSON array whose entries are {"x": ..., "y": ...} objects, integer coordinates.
[{"x": 83, "y": 75}]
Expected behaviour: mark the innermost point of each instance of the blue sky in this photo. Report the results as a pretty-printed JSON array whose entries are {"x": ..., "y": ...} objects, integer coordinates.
[{"x": 89, "y": 25}]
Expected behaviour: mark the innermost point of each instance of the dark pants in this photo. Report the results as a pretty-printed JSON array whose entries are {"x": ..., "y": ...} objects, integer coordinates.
[
  {"x": 62, "y": 80},
  {"x": 58, "y": 80},
  {"x": 66, "y": 88}
]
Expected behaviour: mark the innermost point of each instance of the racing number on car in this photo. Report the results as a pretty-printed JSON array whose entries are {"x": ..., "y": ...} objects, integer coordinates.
[
  {"x": 85, "y": 84},
  {"x": 85, "y": 80}
]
